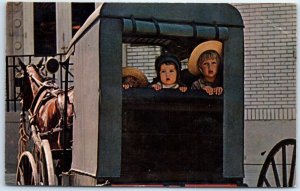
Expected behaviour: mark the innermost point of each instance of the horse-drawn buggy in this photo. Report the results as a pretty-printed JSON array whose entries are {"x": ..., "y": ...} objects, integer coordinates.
[{"x": 139, "y": 136}]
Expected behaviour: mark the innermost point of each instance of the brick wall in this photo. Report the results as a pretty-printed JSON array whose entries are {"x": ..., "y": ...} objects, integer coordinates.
[
  {"x": 143, "y": 58},
  {"x": 270, "y": 60}
]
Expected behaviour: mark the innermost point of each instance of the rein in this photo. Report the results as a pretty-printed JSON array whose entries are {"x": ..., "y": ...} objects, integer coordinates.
[
  {"x": 37, "y": 100},
  {"x": 36, "y": 81}
]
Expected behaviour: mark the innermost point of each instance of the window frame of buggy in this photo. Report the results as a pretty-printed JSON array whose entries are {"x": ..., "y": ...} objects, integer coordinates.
[{"x": 121, "y": 21}]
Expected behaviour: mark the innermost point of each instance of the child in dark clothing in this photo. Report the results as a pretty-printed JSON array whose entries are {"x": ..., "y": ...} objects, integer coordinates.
[{"x": 168, "y": 68}]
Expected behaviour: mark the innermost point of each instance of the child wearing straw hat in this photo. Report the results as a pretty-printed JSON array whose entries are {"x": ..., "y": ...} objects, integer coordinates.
[
  {"x": 133, "y": 78},
  {"x": 168, "y": 68},
  {"x": 205, "y": 62}
]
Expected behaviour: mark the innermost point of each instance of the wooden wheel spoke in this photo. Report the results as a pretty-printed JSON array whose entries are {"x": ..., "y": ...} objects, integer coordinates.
[
  {"x": 32, "y": 180},
  {"x": 267, "y": 182},
  {"x": 44, "y": 175},
  {"x": 284, "y": 173},
  {"x": 275, "y": 172},
  {"x": 20, "y": 176},
  {"x": 21, "y": 171}
]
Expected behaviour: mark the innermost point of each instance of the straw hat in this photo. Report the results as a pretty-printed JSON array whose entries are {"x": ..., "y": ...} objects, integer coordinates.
[
  {"x": 207, "y": 45},
  {"x": 140, "y": 76}
]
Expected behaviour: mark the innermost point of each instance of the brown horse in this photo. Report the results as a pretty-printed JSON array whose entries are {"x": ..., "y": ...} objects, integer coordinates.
[{"x": 44, "y": 102}]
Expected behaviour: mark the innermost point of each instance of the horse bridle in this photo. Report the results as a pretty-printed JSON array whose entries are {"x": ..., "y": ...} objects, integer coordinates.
[{"x": 34, "y": 79}]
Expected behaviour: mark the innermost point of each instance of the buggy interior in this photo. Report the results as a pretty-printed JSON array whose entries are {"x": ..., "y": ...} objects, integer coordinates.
[{"x": 167, "y": 135}]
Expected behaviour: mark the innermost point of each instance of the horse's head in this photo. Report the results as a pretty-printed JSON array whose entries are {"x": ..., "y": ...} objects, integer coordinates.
[{"x": 30, "y": 81}]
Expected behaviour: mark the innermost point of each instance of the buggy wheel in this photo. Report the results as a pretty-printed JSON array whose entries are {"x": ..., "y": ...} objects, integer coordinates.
[
  {"x": 45, "y": 165},
  {"x": 26, "y": 170},
  {"x": 279, "y": 167}
]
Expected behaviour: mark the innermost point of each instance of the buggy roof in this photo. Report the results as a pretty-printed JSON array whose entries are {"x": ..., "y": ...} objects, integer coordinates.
[{"x": 205, "y": 14}]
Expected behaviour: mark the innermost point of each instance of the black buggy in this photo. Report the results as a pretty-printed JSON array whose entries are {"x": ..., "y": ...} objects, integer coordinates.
[{"x": 140, "y": 136}]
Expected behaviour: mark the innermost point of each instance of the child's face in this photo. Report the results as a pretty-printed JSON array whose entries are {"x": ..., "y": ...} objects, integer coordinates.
[
  {"x": 131, "y": 81},
  {"x": 210, "y": 69},
  {"x": 168, "y": 74}
]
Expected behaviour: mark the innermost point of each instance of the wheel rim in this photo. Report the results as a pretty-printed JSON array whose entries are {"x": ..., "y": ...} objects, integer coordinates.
[
  {"x": 45, "y": 165},
  {"x": 26, "y": 170},
  {"x": 279, "y": 167}
]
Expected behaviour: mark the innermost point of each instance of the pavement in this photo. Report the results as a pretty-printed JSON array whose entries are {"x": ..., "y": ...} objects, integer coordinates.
[{"x": 10, "y": 179}]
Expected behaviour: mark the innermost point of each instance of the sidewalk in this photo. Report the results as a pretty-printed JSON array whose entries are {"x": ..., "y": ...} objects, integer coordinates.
[{"x": 10, "y": 179}]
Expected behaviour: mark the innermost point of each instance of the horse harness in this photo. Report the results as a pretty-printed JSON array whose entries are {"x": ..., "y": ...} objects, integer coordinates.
[{"x": 48, "y": 91}]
